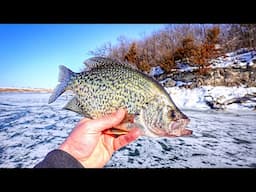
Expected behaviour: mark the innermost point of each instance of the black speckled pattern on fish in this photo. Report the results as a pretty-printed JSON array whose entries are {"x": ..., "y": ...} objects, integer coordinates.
[{"x": 109, "y": 84}]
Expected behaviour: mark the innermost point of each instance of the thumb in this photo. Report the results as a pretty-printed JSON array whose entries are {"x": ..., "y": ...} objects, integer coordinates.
[{"x": 107, "y": 121}]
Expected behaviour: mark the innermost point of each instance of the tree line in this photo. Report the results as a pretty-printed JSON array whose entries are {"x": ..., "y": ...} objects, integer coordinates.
[{"x": 194, "y": 44}]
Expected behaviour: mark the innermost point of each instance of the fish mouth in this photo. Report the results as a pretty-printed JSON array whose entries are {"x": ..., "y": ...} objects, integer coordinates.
[
  {"x": 178, "y": 128},
  {"x": 179, "y": 124}
]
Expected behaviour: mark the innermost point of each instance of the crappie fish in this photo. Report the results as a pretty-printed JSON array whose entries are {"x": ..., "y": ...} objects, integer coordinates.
[{"x": 108, "y": 84}]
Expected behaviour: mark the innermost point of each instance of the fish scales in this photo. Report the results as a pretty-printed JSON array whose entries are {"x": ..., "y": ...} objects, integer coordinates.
[{"x": 118, "y": 87}]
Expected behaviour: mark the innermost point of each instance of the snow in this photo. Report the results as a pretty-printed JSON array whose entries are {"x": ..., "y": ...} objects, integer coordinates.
[
  {"x": 240, "y": 58},
  {"x": 181, "y": 83},
  {"x": 156, "y": 71},
  {"x": 186, "y": 98},
  {"x": 219, "y": 140},
  {"x": 197, "y": 98},
  {"x": 185, "y": 67},
  {"x": 30, "y": 128}
]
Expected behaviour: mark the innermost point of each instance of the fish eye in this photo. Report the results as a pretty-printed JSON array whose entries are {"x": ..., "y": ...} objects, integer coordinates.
[{"x": 171, "y": 114}]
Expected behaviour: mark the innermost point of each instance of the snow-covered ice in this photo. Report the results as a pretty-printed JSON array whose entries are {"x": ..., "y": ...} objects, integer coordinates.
[
  {"x": 30, "y": 128},
  {"x": 219, "y": 140}
]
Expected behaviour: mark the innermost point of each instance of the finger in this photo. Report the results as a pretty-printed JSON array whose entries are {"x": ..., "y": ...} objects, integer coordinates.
[
  {"x": 123, "y": 140},
  {"x": 85, "y": 120},
  {"x": 82, "y": 121},
  {"x": 107, "y": 121}
]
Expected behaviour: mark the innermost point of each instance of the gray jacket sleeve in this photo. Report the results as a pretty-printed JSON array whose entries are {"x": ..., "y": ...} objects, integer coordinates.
[{"x": 59, "y": 159}]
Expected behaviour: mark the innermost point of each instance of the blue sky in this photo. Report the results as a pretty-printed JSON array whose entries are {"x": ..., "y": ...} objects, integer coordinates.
[{"x": 31, "y": 53}]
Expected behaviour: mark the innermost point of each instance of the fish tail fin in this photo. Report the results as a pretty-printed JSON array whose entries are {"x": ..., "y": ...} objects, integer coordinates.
[{"x": 65, "y": 75}]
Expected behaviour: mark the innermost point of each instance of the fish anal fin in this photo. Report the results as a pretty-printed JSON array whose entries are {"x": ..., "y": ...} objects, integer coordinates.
[{"x": 73, "y": 105}]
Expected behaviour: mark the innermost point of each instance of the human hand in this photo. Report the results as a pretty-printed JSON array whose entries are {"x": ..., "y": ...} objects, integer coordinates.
[{"x": 91, "y": 146}]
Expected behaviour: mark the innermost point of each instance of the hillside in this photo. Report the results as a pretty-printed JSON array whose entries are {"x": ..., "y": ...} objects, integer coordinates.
[
  {"x": 233, "y": 69},
  {"x": 229, "y": 85}
]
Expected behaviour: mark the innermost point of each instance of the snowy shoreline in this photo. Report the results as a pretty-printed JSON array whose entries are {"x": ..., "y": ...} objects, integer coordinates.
[
  {"x": 24, "y": 90},
  {"x": 197, "y": 98}
]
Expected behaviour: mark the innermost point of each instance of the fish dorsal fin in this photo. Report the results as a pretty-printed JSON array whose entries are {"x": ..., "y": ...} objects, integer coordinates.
[
  {"x": 97, "y": 62},
  {"x": 74, "y": 105}
]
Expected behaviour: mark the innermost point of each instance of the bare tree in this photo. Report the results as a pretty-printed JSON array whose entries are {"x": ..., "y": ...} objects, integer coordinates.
[{"x": 196, "y": 43}]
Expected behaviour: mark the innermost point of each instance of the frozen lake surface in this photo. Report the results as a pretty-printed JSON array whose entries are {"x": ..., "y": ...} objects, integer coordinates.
[{"x": 30, "y": 128}]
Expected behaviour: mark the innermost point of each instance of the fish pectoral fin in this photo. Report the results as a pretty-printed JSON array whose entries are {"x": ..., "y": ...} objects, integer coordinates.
[
  {"x": 124, "y": 127},
  {"x": 73, "y": 105},
  {"x": 129, "y": 118},
  {"x": 115, "y": 132},
  {"x": 121, "y": 129}
]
